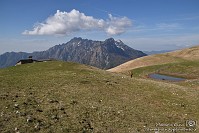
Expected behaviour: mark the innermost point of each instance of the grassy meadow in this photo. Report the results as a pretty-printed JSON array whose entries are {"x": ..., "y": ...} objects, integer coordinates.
[
  {"x": 185, "y": 69},
  {"x": 57, "y": 97}
]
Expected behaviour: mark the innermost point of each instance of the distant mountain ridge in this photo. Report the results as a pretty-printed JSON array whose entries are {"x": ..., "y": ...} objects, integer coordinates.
[
  {"x": 156, "y": 52},
  {"x": 102, "y": 54}
]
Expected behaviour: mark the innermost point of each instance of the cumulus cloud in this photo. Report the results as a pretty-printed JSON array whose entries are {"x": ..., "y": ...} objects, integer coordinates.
[
  {"x": 65, "y": 23},
  {"x": 117, "y": 25}
]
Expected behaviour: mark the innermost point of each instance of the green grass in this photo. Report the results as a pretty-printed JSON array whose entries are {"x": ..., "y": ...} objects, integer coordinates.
[
  {"x": 186, "y": 69},
  {"x": 58, "y": 97}
]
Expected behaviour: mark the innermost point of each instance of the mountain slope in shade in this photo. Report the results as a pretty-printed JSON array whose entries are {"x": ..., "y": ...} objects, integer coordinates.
[
  {"x": 170, "y": 57},
  {"x": 102, "y": 54},
  {"x": 10, "y": 58}
]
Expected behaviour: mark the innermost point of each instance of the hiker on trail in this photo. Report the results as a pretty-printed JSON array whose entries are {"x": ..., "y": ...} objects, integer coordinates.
[{"x": 131, "y": 74}]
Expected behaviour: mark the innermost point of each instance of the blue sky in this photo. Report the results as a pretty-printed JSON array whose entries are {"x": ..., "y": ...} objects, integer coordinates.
[{"x": 34, "y": 25}]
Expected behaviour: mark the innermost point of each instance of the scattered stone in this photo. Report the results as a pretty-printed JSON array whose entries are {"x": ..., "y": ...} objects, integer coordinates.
[
  {"x": 17, "y": 130},
  {"x": 86, "y": 125},
  {"x": 4, "y": 96},
  {"x": 39, "y": 110},
  {"x": 61, "y": 108},
  {"x": 55, "y": 117},
  {"x": 53, "y": 101},
  {"x": 17, "y": 112},
  {"x": 93, "y": 107},
  {"x": 183, "y": 105},
  {"x": 6, "y": 119},
  {"x": 37, "y": 126},
  {"x": 16, "y": 106},
  {"x": 29, "y": 119},
  {"x": 61, "y": 116},
  {"x": 119, "y": 111},
  {"x": 109, "y": 83},
  {"x": 2, "y": 114},
  {"x": 25, "y": 103}
]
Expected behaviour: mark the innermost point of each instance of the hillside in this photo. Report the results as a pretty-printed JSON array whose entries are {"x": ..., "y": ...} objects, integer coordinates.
[
  {"x": 102, "y": 54},
  {"x": 170, "y": 57},
  {"x": 187, "y": 54},
  {"x": 68, "y": 97}
]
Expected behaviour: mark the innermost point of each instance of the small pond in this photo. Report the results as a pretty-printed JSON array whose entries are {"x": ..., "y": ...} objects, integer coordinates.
[{"x": 165, "y": 77}]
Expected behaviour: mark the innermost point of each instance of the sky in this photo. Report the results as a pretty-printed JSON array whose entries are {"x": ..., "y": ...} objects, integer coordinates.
[{"x": 36, "y": 25}]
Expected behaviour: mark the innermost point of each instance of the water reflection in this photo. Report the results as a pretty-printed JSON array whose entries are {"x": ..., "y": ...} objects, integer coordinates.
[{"x": 164, "y": 77}]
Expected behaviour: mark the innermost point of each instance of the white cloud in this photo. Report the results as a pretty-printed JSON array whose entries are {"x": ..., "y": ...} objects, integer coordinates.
[
  {"x": 65, "y": 23},
  {"x": 117, "y": 25}
]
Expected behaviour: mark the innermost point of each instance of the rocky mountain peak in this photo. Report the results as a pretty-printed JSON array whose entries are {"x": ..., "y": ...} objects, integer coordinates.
[
  {"x": 109, "y": 40},
  {"x": 102, "y": 54},
  {"x": 76, "y": 39},
  {"x": 119, "y": 41}
]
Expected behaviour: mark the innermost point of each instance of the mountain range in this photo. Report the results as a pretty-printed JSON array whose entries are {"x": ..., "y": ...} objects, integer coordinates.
[
  {"x": 156, "y": 52},
  {"x": 102, "y": 54}
]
